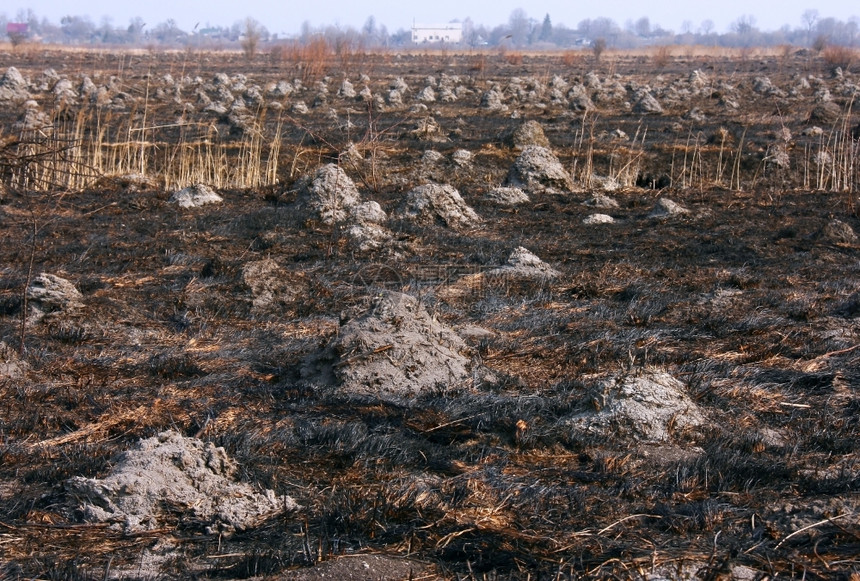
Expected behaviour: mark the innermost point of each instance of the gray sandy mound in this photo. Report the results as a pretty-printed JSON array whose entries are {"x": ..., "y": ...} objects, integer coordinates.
[
  {"x": 428, "y": 129},
  {"x": 666, "y": 208},
  {"x": 431, "y": 157},
  {"x": 494, "y": 100},
  {"x": 272, "y": 285},
  {"x": 329, "y": 194},
  {"x": 393, "y": 351},
  {"x": 368, "y": 213},
  {"x": 579, "y": 99},
  {"x": 367, "y": 232},
  {"x": 186, "y": 475},
  {"x": 11, "y": 366},
  {"x": 437, "y": 204},
  {"x": 362, "y": 568},
  {"x": 537, "y": 170},
  {"x": 522, "y": 264},
  {"x": 13, "y": 86},
  {"x": 49, "y": 292},
  {"x": 601, "y": 201},
  {"x": 529, "y": 133},
  {"x": 462, "y": 158},
  {"x": 838, "y": 232},
  {"x": 647, "y": 104},
  {"x": 507, "y": 196},
  {"x": 596, "y": 219},
  {"x": 648, "y": 406},
  {"x": 826, "y": 113},
  {"x": 195, "y": 196}
]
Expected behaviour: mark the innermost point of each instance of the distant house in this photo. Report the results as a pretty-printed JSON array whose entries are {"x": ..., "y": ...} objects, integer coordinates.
[
  {"x": 451, "y": 33},
  {"x": 17, "y": 28}
]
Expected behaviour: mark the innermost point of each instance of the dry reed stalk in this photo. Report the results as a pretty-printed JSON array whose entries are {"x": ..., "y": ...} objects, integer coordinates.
[
  {"x": 735, "y": 179},
  {"x": 628, "y": 173}
]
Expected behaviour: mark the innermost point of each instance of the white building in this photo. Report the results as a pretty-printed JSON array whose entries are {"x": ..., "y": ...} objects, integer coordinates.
[{"x": 451, "y": 33}]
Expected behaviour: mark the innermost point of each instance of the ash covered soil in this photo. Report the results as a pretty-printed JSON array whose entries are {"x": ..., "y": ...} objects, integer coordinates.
[{"x": 493, "y": 318}]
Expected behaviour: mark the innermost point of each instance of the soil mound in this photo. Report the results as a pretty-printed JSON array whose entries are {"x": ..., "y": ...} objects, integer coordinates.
[
  {"x": 523, "y": 264},
  {"x": 647, "y": 104},
  {"x": 49, "y": 292},
  {"x": 826, "y": 113},
  {"x": 666, "y": 208},
  {"x": 529, "y": 133},
  {"x": 329, "y": 194},
  {"x": 594, "y": 219},
  {"x": 196, "y": 196},
  {"x": 184, "y": 475},
  {"x": 838, "y": 232},
  {"x": 602, "y": 202},
  {"x": 507, "y": 196},
  {"x": 394, "y": 351},
  {"x": 367, "y": 232},
  {"x": 538, "y": 170},
  {"x": 494, "y": 100},
  {"x": 437, "y": 204},
  {"x": 13, "y": 86},
  {"x": 647, "y": 406}
]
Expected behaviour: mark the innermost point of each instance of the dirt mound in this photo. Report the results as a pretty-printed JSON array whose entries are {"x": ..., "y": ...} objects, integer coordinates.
[
  {"x": 494, "y": 100},
  {"x": 647, "y": 104},
  {"x": 13, "y": 86},
  {"x": 395, "y": 350},
  {"x": 523, "y": 264},
  {"x": 666, "y": 208},
  {"x": 184, "y": 475},
  {"x": 507, "y": 196},
  {"x": 579, "y": 99},
  {"x": 647, "y": 406},
  {"x": 538, "y": 170},
  {"x": 838, "y": 232},
  {"x": 826, "y": 113},
  {"x": 428, "y": 129},
  {"x": 529, "y": 133},
  {"x": 196, "y": 196},
  {"x": 367, "y": 231},
  {"x": 601, "y": 201},
  {"x": 594, "y": 219},
  {"x": 437, "y": 204},
  {"x": 329, "y": 194},
  {"x": 49, "y": 292}
]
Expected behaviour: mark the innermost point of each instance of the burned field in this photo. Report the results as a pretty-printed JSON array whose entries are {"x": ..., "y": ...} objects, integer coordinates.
[{"x": 428, "y": 316}]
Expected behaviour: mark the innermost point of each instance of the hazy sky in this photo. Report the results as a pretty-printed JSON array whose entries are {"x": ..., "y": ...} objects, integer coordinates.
[{"x": 286, "y": 17}]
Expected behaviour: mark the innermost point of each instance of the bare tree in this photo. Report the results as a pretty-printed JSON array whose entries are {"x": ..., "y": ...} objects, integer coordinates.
[
  {"x": 598, "y": 47},
  {"x": 519, "y": 27},
  {"x": 251, "y": 39},
  {"x": 809, "y": 18},
  {"x": 17, "y": 38}
]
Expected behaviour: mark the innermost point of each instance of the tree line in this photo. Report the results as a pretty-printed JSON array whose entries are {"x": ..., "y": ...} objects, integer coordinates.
[{"x": 520, "y": 31}]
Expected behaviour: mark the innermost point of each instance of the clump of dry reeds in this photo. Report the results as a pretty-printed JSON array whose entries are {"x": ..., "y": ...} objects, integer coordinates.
[
  {"x": 77, "y": 151},
  {"x": 833, "y": 164},
  {"x": 661, "y": 57},
  {"x": 839, "y": 56}
]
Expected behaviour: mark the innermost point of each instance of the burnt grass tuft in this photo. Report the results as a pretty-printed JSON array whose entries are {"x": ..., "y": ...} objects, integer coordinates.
[{"x": 741, "y": 299}]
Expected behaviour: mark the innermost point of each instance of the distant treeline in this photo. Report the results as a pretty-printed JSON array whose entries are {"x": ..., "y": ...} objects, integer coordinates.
[{"x": 520, "y": 31}]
